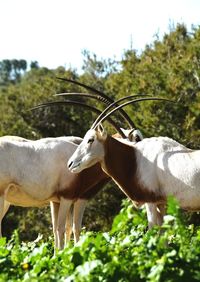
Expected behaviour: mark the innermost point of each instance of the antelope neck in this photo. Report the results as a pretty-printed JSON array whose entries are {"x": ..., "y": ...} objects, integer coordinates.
[{"x": 120, "y": 163}]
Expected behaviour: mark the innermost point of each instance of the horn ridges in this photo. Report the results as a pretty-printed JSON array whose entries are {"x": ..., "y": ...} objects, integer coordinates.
[
  {"x": 113, "y": 105},
  {"x": 97, "y": 97},
  {"x": 100, "y": 120}
]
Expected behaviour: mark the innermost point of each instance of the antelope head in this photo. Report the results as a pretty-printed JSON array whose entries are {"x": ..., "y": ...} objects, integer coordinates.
[{"x": 90, "y": 151}]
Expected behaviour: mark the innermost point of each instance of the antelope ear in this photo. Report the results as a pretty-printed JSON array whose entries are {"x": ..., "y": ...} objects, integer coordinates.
[
  {"x": 130, "y": 134},
  {"x": 138, "y": 135},
  {"x": 101, "y": 130}
]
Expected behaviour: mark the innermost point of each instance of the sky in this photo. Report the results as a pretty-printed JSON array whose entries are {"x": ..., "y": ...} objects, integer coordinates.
[{"x": 55, "y": 32}]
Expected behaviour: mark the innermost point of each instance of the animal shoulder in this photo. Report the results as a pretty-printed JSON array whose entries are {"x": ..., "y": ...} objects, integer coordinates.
[
  {"x": 59, "y": 140},
  {"x": 13, "y": 138},
  {"x": 56, "y": 146},
  {"x": 36, "y": 145},
  {"x": 160, "y": 144}
]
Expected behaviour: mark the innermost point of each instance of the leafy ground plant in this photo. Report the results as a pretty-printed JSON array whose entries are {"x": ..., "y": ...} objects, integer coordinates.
[{"x": 127, "y": 253}]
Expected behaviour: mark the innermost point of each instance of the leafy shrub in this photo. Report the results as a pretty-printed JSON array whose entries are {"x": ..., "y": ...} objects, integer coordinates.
[{"x": 127, "y": 253}]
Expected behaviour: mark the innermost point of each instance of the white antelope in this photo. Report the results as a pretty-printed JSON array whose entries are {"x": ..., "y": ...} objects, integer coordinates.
[
  {"x": 34, "y": 173},
  {"x": 147, "y": 172}
]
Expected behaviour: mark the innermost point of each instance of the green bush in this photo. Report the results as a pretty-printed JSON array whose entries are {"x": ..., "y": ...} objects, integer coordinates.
[{"x": 127, "y": 253}]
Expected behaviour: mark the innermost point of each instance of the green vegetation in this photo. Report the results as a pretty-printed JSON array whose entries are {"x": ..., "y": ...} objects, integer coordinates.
[
  {"x": 170, "y": 68},
  {"x": 127, "y": 253}
]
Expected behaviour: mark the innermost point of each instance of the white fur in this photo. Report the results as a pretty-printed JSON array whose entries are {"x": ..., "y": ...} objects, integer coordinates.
[{"x": 171, "y": 168}]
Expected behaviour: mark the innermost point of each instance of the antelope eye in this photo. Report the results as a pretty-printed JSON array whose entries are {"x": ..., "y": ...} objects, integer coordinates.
[{"x": 91, "y": 140}]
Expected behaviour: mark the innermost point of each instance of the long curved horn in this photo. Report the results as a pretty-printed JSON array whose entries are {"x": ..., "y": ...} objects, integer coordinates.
[
  {"x": 90, "y": 88},
  {"x": 102, "y": 94},
  {"x": 68, "y": 102},
  {"x": 100, "y": 98},
  {"x": 103, "y": 115}
]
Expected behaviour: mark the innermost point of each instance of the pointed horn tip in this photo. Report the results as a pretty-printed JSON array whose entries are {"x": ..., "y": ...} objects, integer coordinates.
[
  {"x": 62, "y": 78},
  {"x": 71, "y": 93},
  {"x": 65, "y": 102},
  {"x": 32, "y": 109},
  {"x": 66, "y": 79},
  {"x": 43, "y": 105},
  {"x": 38, "y": 107},
  {"x": 63, "y": 94}
]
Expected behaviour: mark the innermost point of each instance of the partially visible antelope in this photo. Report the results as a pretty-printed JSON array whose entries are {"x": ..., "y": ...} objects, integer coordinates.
[
  {"x": 45, "y": 179},
  {"x": 15, "y": 196},
  {"x": 148, "y": 171}
]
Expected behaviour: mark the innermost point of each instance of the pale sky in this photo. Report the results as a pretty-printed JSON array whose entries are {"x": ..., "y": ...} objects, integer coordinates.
[{"x": 55, "y": 32}]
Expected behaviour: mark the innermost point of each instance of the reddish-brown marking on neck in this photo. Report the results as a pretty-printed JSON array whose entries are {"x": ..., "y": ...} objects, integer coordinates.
[{"x": 120, "y": 163}]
